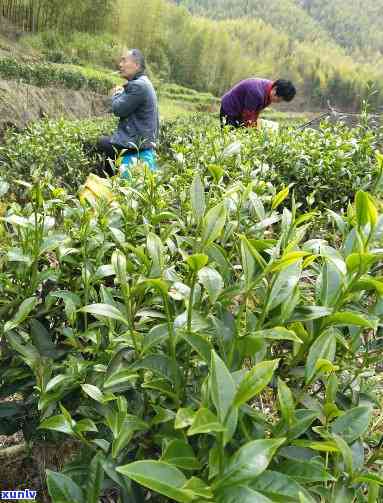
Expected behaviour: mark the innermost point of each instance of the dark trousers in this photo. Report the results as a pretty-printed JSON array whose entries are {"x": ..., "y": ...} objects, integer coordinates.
[
  {"x": 110, "y": 150},
  {"x": 106, "y": 150},
  {"x": 228, "y": 120},
  {"x": 106, "y": 147}
]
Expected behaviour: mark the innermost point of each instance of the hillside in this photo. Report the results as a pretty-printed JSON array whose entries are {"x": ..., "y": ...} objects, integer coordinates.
[
  {"x": 33, "y": 87},
  {"x": 332, "y": 50},
  {"x": 333, "y": 47},
  {"x": 284, "y": 15},
  {"x": 355, "y": 25}
]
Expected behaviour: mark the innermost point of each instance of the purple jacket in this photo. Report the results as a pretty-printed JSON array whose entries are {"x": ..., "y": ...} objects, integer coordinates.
[{"x": 247, "y": 98}]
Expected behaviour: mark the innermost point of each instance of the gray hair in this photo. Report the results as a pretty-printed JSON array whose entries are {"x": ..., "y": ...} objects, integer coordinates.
[{"x": 138, "y": 57}]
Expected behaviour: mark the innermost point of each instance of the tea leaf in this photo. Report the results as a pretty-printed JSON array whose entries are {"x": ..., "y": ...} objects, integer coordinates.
[
  {"x": 279, "y": 198},
  {"x": 286, "y": 402},
  {"x": 222, "y": 386},
  {"x": 352, "y": 424},
  {"x": 22, "y": 313},
  {"x": 212, "y": 224},
  {"x": 254, "y": 381},
  {"x": 249, "y": 461},
  {"x": 197, "y": 261},
  {"x": 62, "y": 488},
  {"x": 57, "y": 423},
  {"x": 159, "y": 364},
  {"x": 205, "y": 421},
  {"x": 351, "y": 318},
  {"x": 283, "y": 285},
  {"x": 279, "y": 487},
  {"x": 241, "y": 494},
  {"x": 366, "y": 212},
  {"x": 278, "y": 334},
  {"x": 200, "y": 345},
  {"x": 123, "y": 376},
  {"x": 184, "y": 418},
  {"x": 323, "y": 347},
  {"x": 308, "y": 471},
  {"x": 94, "y": 392},
  {"x": 104, "y": 310},
  {"x": 212, "y": 281},
  {"x": 160, "y": 477},
  {"x": 95, "y": 481},
  {"x": 180, "y": 454},
  {"x": 119, "y": 264},
  {"x": 197, "y": 197}
]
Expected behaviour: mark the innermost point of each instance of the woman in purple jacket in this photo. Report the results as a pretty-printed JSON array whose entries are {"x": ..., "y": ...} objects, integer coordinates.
[{"x": 241, "y": 105}]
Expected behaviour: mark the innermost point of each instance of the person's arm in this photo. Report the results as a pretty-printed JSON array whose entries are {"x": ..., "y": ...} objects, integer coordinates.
[
  {"x": 125, "y": 103},
  {"x": 250, "y": 118},
  {"x": 253, "y": 104}
]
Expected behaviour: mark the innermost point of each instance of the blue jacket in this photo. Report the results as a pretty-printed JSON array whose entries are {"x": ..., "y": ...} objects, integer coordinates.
[{"x": 137, "y": 108}]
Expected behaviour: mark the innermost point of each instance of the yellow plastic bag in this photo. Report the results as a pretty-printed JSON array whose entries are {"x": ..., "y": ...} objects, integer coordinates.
[{"x": 96, "y": 188}]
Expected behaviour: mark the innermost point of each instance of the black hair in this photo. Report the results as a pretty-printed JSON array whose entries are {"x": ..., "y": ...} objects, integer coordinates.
[
  {"x": 138, "y": 57},
  {"x": 285, "y": 89}
]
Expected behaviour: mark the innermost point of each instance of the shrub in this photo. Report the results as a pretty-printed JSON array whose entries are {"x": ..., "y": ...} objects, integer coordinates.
[
  {"x": 53, "y": 150},
  {"x": 47, "y": 74},
  {"x": 325, "y": 167},
  {"x": 183, "y": 330}
]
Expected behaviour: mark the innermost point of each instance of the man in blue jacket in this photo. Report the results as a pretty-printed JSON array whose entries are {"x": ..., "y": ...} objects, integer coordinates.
[{"x": 136, "y": 106}]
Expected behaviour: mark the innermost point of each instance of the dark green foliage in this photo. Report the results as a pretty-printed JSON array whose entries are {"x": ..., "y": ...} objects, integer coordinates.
[
  {"x": 307, "y": 42},
  {"x": 355, "y": 26},
  {"x": 186, "y": 333},
  {"x": 49, "y": 75},
  {"x": 325, "y": 166},
  {"x": 60, "y": 151}
]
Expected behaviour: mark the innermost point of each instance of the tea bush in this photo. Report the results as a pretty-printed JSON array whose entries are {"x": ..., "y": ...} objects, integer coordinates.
[
  {"x": 47, "y": 74},
  {"x": 326, "y": 166},
  {"x": 191, "y": 340},
  {"x": 60, "y": 151},
  {"x": 96, "y": 79},
  {"x": 176, "y": 92}
]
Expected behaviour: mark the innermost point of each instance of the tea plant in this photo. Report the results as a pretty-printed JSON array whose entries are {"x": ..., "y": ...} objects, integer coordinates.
[
  {"x": 326, "y": 166},
  {"x": 61, "y": 151},
  {"x": 47, "y": 75},
  {"x": 186, "y": 334}
]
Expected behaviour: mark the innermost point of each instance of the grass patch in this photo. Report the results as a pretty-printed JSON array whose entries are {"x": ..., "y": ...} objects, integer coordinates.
[{"x": 171, "y": 109}]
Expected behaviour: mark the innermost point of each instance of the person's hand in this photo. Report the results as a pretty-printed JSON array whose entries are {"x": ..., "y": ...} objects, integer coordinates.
[{"x": 117, "y": 90}]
